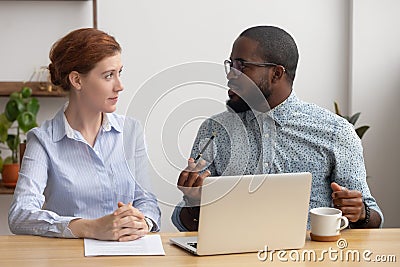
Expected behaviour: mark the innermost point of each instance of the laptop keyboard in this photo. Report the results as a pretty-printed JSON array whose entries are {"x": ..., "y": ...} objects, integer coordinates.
[{"x": 193, "y": 245}]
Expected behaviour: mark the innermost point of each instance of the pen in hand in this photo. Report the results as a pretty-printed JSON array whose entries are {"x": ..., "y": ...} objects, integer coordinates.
[{"x": 214, "y": 134}]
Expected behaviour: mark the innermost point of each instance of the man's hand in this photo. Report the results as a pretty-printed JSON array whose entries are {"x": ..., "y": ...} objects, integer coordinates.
[
  {"x": 190, "y": 181},
  {"x": 349, "y": 202}
]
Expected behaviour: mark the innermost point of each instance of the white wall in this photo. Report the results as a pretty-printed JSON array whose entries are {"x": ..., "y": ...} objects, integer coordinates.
[
  {"x": 375, "y": 91},
  {"x": 29, "y": 28},
  {"x": 156, "y": 35},
  {"x": 27, "y": 31},
  {"x": 159, "y": 34}
]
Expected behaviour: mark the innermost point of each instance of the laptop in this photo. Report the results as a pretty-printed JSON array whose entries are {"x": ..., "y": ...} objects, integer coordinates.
[{"x": 247, "y": 213}]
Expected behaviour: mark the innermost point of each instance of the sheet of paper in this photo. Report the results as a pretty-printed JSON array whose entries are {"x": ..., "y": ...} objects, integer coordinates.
[{"x": 147, "y": 245}]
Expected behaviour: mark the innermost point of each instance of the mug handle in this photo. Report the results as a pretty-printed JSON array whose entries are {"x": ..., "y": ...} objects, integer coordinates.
[{"x": 346, "y": 223}]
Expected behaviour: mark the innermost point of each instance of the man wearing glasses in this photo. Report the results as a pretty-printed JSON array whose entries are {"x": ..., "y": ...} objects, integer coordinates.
[{"x": 267, "y": 129}]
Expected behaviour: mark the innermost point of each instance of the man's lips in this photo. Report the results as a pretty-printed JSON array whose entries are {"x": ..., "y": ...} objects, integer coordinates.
[
  {"x": 231, "y": 93},
  {"x": 233, "y": 89}
]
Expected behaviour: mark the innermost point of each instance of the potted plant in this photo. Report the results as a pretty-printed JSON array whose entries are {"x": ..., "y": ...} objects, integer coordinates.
[
  {"x": 18, "y": 118},
  {"x": 353, "y": 119}
]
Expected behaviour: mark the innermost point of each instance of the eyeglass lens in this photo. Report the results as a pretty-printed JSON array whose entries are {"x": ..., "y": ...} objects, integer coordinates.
[{"x": 235, "y": 65}]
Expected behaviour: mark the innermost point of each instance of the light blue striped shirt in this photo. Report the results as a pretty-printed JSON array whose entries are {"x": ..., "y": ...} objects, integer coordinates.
[
  {"x": 63, "y": 178},
  {"x": 295, "y": 136}
]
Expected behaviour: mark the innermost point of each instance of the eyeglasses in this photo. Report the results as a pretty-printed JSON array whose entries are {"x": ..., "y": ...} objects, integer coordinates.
[{"x": 239, "y": 64}]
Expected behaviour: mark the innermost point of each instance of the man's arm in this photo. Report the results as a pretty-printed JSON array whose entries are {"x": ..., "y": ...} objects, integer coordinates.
[
  {"x": 373, "y": 220},
  {"x": 351, "y": 193},
  {"x": 189, "y": 217},
  {"x": 190, "y": 182},
  {"x": 351, "y": 204}
]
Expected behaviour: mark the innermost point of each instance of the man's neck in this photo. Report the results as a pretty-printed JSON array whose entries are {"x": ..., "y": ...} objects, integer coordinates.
[{"x": 279, "y": 96}]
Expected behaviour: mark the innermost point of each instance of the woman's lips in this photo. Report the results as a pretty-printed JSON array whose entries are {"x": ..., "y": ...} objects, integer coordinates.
[{"x": 113, "y": 99}]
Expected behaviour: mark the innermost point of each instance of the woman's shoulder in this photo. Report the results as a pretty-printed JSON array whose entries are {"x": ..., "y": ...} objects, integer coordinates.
[
  {"x": 123, "y": 121},
  {"x": 43, "y": 134},
  {"x": 122, "y": 118}
]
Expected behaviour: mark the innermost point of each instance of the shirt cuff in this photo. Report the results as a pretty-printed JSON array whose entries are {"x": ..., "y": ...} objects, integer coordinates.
[
  {"x": 67, "y": 233},
  {"x": 149, "y": 223},
  {"x": 176, "y": 219},
  {"x": 380, "y": 214}
]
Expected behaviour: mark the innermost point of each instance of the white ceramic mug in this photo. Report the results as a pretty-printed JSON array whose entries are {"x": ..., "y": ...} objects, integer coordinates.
[{"x": 326, "y": 223}]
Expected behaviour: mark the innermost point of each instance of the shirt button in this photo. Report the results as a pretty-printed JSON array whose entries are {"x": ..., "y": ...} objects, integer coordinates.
[
  {"x": 266, "y": 135},
  {"x": 97, "y": 152},
  {"x": 266, "y": 164}
]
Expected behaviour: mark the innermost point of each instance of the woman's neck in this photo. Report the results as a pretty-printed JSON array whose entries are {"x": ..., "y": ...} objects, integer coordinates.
[{"x": 86, "y": 122}]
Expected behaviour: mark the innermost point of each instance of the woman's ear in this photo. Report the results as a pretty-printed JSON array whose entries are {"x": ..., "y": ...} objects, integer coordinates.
[{"x": 75, "y": 80}]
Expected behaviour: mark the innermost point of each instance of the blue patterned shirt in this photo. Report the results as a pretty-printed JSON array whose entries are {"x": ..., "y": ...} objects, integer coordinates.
[
  {"x": 63, "y": 178},
  {"x": 295, "y": 136}
]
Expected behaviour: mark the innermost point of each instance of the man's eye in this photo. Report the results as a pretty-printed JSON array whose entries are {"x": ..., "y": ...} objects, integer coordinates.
[{"x": 241, "y": 65}]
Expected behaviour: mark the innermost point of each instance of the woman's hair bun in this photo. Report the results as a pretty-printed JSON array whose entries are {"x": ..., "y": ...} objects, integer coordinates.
[{"x": 53, "y": 75}]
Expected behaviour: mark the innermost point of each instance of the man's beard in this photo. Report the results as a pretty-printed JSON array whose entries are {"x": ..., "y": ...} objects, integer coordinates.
[
  {"x": 240, "y": 105},
  {"x": 237, "y": 106}
]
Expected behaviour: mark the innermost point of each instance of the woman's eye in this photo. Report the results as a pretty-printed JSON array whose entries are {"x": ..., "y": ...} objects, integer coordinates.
[{"x": 109, "y": 76}]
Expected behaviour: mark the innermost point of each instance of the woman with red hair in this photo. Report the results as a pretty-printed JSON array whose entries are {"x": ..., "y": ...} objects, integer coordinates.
[{"x": 78, "y": 177}]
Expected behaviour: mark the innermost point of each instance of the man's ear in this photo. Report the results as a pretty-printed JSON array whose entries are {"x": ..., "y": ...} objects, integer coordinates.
[
  {"x": 75, "y": 80},
  {"x": 278, "y": 73}
]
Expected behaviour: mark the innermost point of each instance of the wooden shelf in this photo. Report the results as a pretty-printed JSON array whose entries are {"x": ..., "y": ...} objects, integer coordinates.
[
  {"x": 5, "y": 190},
  {"x": 38, "y": 89}
]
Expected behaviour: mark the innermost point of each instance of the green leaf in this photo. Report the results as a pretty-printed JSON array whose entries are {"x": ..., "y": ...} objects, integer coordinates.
[
  {"x": 4, "y": 126},
  {"x": 3, "y": 133},
  {"x": 361, "y": 131},
  {"x": 15, "y": 95},
  {"x": 13, "y": 141},
  {"x": 4, "y": 121},
  {"x": 337, "y": 109},
  {"x": 26, "y": 92},
  {"x": 354, "y": 118},
  {"x": 23, "y": 108},
  {"x": 33, "y": 106},
  {"x": 26, "y": 121},
  {"x": 1, "y": 164},
  {"x": 13, "y": 108}
]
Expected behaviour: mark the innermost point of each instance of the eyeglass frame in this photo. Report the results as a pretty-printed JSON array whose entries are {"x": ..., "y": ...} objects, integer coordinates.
[{"x": 229, "y": 63}]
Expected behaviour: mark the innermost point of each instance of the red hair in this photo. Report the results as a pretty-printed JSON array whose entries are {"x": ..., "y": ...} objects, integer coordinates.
[{"x": 80, "y": 51}]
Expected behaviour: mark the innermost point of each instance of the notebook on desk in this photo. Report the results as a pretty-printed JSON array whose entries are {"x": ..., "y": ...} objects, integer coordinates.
[{"x": 246, "y": 213}]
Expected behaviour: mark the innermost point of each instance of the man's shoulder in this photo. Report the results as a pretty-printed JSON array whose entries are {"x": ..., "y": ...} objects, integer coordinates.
[
  {"x": 216, "y": 123},
  {"x": 317, "y": 113},
  {"x": 219, "y": 117}
]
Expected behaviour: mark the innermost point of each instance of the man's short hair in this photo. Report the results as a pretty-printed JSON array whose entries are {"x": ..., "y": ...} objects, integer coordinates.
[{"x": 276, "y": 46}]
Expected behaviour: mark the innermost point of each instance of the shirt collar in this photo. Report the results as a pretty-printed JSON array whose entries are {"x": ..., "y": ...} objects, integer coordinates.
[
  {"x": 109, "y": 122},
  {"x": 62, "y": 128},
  {"x": 279, "y": 114},
  {"x": 283, "y": 112}
]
